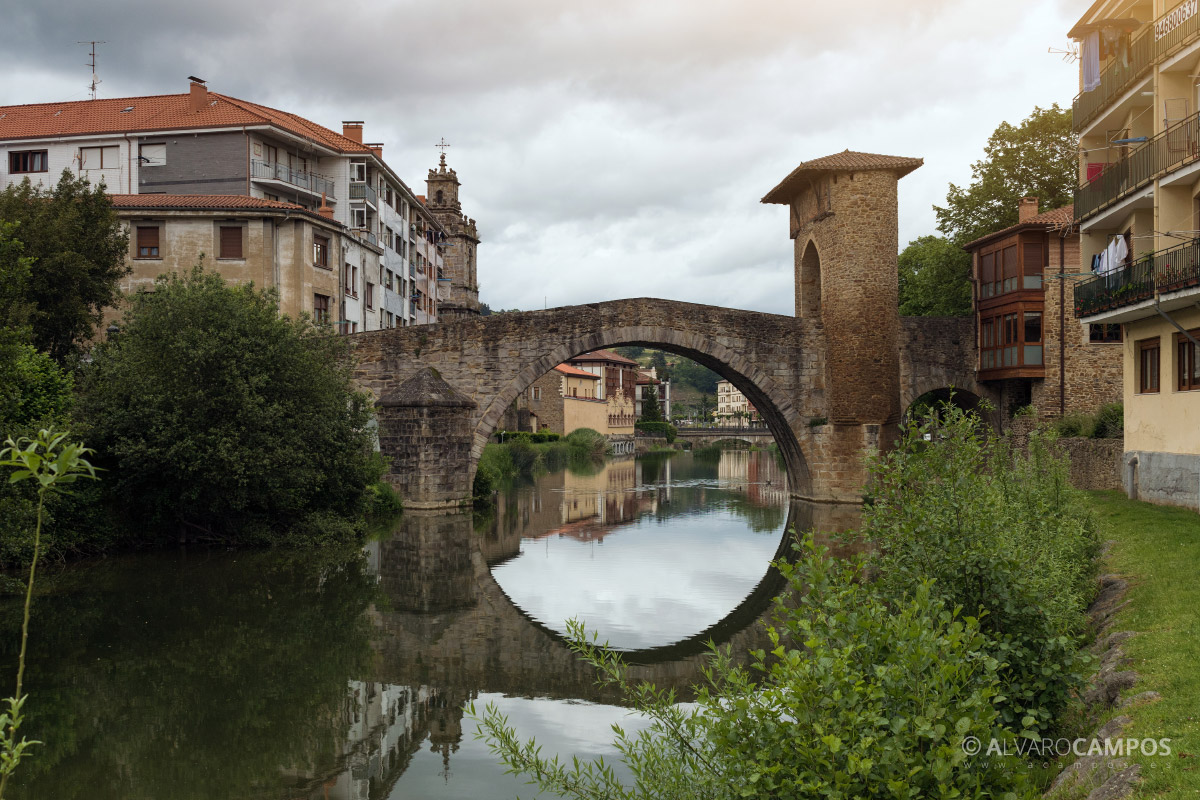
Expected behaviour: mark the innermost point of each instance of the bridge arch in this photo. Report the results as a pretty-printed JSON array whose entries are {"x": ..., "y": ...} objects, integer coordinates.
[{"x": 774, "y": 404}]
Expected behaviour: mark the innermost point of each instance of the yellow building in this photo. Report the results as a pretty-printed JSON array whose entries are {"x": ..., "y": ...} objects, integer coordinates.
[{"x": 1138, "y": 208}]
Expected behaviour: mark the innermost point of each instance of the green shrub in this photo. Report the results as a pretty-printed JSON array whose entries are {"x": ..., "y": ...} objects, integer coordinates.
[
  {"x": 1075, "y": 425},
  {"x": 664, "y": 429},
  {"x": 856, "y": 698},
  {"x": 383, "y": 500},
  {"x": 1005, "y": 537},
  {"x": 1110, "y": 422},
  {"x": 588, "y": 441},
  {"x": 215, "y": 415}
]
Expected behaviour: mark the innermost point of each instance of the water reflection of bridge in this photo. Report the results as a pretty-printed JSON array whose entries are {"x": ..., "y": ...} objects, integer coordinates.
[{"x": 447, "y": 632}]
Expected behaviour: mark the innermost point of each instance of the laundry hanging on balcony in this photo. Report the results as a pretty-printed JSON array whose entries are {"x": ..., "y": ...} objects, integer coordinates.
[{"x": 1091, "y": 61}]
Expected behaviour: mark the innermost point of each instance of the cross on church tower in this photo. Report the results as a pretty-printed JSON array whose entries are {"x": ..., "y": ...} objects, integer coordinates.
[{"x": 442, "y": 145}]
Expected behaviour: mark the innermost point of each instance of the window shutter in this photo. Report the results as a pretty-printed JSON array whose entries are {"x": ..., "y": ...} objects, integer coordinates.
[
  {"x": 147, "y": 242},
  {"x": 231, "y": 242}
]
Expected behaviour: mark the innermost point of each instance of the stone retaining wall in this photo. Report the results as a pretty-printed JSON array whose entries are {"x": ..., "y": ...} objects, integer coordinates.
[{"x": 1095, "y": 463}]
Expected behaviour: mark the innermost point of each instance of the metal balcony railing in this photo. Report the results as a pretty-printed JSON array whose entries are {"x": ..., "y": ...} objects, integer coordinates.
[
  {"x": 364, "y": 191},
  {"x": 1169, "y": 270},
  {"x": 265, "y": 170},
  {"x": 1144, "y": 52},
  {"x": 1174, "y": 147},
  {"x": 363, "y": 233}
]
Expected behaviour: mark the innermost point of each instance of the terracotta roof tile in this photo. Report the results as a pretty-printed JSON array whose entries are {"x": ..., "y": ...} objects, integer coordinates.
[
  {"x": 574, "y": 372},
  {"x": 197, "y": 201},
  {"x": 158, "y": 113},
  {"x": 846, "y": 161},
  {"x": 1054, "y": 218}
]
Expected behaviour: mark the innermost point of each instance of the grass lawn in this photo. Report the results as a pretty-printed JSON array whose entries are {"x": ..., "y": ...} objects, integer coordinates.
[{"x": 1157, "y": 548}]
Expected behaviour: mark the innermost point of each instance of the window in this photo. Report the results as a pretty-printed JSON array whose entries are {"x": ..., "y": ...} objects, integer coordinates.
[
  {"x": 321, "y": 251},
  {"x": 369, "y": 295},
  {"x": 1010, "y": 269},
  {"x": 99, "y": 157},
  {"x": 358, "y": 172},
  {"x": 152, "y": 155},
  {"x": 537, "y": 393},
  {"x": 1104, "y": 333},
  {"x": 987, "y": 279},
  {"x": 147, "y": 241},
  {"x": 230, "y": 242},
  {"x": 27, "y": 161},
  {"x": 272, "y": 153},
  {"x": 358, "y": 218},
  {"x": 1187, "y": 361},
  {"x": 1032, "y": 267},
  {"x": 350, "y": 278},
  {"x": 1148, "y": 357},
  {"x": 1033, "y": 338},
  {"x": 321, "y": 309}
]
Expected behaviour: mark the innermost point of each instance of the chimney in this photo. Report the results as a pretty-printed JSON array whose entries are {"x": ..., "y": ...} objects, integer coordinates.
[
  {"x": 324, "y": 210},
  {"x": 1027, "y": 207},
  {"x": 352, "y": 129},
  {"x": 377, "y": 149},
  {"x": 199, "y": 95}
]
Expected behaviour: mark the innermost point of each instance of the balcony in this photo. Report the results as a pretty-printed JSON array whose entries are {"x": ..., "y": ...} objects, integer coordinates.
[
  {"x": 1167, "y": 271},
  {"x": 1174, "y": 147},
  {"x": 364, "y": 192},
  {"x": 281, "y": 173},
  {"x": 1144, "y": 52},
  {"x": 366, "y": 236}
]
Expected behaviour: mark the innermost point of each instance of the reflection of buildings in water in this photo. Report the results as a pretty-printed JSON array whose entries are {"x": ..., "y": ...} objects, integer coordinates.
[
  {"x": 756, "y": 473},
  {"x": 387, "y": 726}
]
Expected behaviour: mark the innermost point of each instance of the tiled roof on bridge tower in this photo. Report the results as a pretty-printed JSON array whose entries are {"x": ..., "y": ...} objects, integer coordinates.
[{"x": 845, "y": 161}]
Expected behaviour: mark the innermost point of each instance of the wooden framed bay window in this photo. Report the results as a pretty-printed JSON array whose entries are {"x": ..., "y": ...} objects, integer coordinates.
[
  {"x": 1187, "y": 361},
  {"x": 1148, "y": 353}
]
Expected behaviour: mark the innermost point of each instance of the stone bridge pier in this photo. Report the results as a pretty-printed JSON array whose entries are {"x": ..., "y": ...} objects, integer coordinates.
[{"x": 829, "y": 382}]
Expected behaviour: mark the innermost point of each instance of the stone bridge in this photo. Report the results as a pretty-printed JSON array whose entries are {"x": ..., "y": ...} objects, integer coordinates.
[
  {"x": 703, "y": 437},
  {"x": 831, "y": 383}
]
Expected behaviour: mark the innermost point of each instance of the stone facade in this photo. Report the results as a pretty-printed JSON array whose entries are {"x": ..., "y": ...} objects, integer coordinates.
[
  {"x": 425, "y": 429},
  {"x": 460, "y": 260}
]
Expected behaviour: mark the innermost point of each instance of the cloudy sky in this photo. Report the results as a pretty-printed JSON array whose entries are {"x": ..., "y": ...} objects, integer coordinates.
[{"x": 607, "y": 150}]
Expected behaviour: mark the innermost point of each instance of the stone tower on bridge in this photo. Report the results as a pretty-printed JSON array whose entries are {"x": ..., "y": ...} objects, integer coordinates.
[
  {"x": 462, "y": 239},
  {"x": 831, "y": 382}
]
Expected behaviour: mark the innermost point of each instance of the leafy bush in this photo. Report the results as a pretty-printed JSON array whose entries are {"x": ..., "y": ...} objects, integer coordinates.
[
  {"x": 216, "y": 416},
  {"x": 857, "y": 698},
  {"x": 588, "y": 441},
  {"x": 1005, "y": 537},
  {"x": 664, "y": 429},
  {"x": 1110, "y": 422},
  {"x": 1075, "y": 425}
]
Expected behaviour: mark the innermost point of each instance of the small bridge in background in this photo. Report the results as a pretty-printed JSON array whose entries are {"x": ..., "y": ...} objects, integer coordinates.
[{"x": 758, "y": 436}]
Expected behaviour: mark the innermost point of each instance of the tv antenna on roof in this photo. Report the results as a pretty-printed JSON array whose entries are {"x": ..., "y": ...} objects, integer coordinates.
[
  {"x": 92, "y": 64},
  {"x": 1069, "y": 56}
]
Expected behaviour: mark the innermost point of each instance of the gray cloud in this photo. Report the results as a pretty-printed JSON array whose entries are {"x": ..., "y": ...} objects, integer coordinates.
[{"x": 606, "y": 151}]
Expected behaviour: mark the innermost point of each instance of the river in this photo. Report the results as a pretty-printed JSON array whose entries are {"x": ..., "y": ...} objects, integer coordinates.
[{"x": 345, "y": 675}]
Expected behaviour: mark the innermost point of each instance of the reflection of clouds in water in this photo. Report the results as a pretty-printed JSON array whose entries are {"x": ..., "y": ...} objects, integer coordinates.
[{"x": 652, "y": 583}]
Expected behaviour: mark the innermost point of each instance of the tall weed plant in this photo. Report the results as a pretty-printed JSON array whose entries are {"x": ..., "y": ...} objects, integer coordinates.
[{"x": 1003, "y": 536}]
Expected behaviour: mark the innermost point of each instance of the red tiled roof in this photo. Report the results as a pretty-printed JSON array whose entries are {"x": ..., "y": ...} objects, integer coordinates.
[
  {"x": 646, "y": 378},
  {"x": 567, "y": 369},
  {"x": 158, "y": 113},
  {"x": 604, "y": 355},
  {"x": 1054, "y": 218},
  {"x": 198, "y": 201},
  {"x": 846, "y": 161}
]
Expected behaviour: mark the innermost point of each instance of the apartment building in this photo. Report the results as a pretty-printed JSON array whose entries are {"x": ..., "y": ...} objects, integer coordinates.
[
  {"x": 732, "y": 406},
  {"x": 202, "y": 143},
  {"x": 1031, "y": 349},
  {"x": 1138, "y": 209}
]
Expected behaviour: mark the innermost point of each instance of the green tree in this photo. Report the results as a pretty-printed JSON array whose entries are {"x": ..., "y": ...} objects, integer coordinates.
[
  {"x": 651, "y": 410},
  {"x": 217, "y": 416},
  {"x": 1039, "y": 157},
  {"x": 935, "y": 279},
  {"x": 78, "y": 247}
]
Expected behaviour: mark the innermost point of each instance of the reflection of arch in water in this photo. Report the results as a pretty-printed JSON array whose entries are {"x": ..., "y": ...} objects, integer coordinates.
[
  {"x": 774, "y": 405},
  {"x": 493, "y": 646}
]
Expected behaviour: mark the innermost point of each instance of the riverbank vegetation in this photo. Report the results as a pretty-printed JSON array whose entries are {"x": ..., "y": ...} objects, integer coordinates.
[
  {"x": 965, "y": 620},
  {"x": 523, "y": 455},
  {"x": 1157, "y": 549}
]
